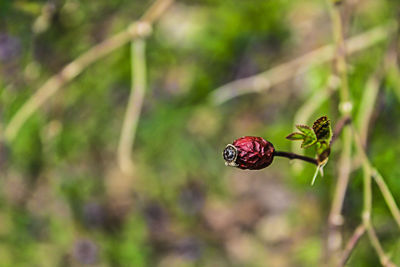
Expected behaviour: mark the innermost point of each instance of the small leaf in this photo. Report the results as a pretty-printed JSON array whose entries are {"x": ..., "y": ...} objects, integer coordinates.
[
  {"x": 322, "y": 129},
  {"x": 308, "y": 141},
  {"x": 309, "y": 136},
  {"x": 304, "y": 129},
  {"x": 295, "y": 136}
]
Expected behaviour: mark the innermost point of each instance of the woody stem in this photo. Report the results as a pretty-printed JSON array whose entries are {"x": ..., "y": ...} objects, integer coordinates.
[{"x": 290, "y": 155}]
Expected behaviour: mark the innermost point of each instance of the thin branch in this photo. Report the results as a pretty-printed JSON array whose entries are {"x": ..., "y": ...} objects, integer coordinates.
[
  {"x": 334, "y": 238},
  {"x": 351, "y": 244},
  {"x": 73, "y": 69},
  {"x": 265, "y": 80},
  {"x": 367, "y": 105},
  {"x": 335, "y": 216},
  {"x": 391, "y": 64},
  {"x": 368, "y": 172},
  {"x": 366, "y": 215},
  {"x": 156, "y": 10},
  {"x": 393, "y": 73},
  {"x": 138, "y": 69},
  {"x": 385, "y": 261},
  {"x": 383, "y": 258},
  {"x": 367, "y": 188},
  {"x": 366, "y": 109},
  {"x": 363, "y": 120},
  {"x": 290, "y": 155},
  {"x": 365, "y": 113},
  {"x": 387, "y": 195},
  {"x": 339, "y": 128}
]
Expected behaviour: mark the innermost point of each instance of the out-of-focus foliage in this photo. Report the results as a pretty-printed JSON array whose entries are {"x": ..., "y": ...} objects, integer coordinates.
[{"x": 63, "y": 201}]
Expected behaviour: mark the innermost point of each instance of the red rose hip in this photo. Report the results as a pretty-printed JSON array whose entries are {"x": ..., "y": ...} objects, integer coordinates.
[{"x": 249, "y": 152}]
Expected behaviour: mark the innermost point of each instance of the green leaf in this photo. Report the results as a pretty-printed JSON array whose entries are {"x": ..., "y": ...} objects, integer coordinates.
[
  {"x": 308, "y": 141},
  {"x": 320, "y": 133},
  {"x": 295, "y": 136},
  {"x": 309, "y": 138},
  {"x": 322, "y": 129},
  {"x": 305, "y": 129}
]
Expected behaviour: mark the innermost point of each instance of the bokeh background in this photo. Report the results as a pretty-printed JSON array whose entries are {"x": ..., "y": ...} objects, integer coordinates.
[{"x": 63, "y": 199}]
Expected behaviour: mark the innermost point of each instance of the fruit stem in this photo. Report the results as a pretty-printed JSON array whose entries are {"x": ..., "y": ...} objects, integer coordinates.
[{"x": 290, "y": 155}]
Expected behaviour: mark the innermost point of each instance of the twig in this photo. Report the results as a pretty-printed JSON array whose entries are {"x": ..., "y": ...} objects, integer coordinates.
[
  {"x": 366, "y": 215},
  {"x": 156, "y": 10},
  {"x": 368, "y": 103},
  {"x": 387, "y": 195},
  {"x": 265, "y": 80},
  {"x": 366, "y": 109},
  {"x": 351, "y": 244},
  {"x": 335, "y": 219},
  {"x": 391, "y": 63},
  {"x": 339, "y": 128},
  {"x": 364, "y": 117},
  {"x": 138, "y": 69},
  {"x": 334, "y": 238},
  {"x": 73, "y": 69},
  {"x": 393, "y": 73},
  {"x": 290, "y": 155},
  {"x": 368, "y": 172},
  {"x": 383, "y": 258}
]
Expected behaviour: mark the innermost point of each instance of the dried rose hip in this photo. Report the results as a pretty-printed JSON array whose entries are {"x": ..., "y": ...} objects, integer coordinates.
[{"x": 249, "y": 152}]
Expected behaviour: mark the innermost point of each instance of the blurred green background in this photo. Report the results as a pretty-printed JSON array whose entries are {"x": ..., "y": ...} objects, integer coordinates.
[{"x": 63, "y": 200}]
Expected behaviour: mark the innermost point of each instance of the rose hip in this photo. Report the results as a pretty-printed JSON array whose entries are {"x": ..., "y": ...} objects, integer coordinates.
[{"x": 249, "y": 152}]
